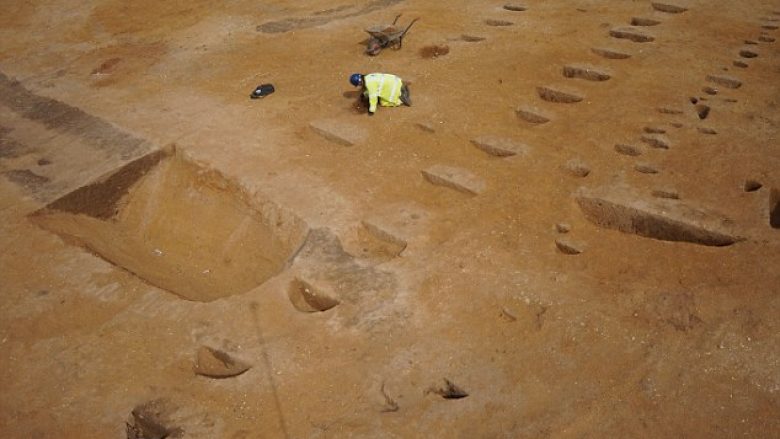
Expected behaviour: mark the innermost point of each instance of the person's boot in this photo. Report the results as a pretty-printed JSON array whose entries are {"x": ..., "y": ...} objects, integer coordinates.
[{"x": 405, "y": 99}]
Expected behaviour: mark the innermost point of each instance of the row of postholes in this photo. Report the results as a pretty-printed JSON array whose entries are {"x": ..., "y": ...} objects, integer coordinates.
[{"x": 658, "y": 221}]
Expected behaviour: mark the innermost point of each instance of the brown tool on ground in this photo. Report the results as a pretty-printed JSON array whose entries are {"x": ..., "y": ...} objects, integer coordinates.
[{"x": 383, "y": 36}]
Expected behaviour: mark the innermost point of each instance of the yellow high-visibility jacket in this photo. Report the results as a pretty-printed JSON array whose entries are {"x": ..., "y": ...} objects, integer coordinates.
[{"x": 382, "y": 87}]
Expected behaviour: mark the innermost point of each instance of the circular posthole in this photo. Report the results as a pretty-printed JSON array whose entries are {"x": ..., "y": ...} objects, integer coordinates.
[
  {"x": 752, "y": 185},
  {"x": 308, "y": 298}
]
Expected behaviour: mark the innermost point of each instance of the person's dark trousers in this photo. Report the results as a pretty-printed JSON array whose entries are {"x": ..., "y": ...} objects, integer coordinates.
[{"x": 405, "y": 96}]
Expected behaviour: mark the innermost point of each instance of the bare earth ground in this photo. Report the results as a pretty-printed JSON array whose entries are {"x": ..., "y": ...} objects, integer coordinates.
[{"x": 611, "y": 272}]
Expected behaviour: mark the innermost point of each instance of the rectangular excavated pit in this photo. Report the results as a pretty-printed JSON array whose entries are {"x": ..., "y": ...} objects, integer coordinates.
[
  {"x": 178, "y": 226},
  {"x": 663, "y": 219}
]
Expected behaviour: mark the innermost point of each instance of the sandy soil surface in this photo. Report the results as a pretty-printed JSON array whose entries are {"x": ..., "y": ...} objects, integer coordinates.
[{"x": 573, "y": 232}]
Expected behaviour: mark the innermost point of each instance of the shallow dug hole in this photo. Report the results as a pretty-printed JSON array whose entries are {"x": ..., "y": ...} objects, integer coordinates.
[
  {"x": 774, "y": 209},
  {"x": 434, "y": 51},
  {"x": 305, "y": 297},
  {"x": 178, "y": 226}
]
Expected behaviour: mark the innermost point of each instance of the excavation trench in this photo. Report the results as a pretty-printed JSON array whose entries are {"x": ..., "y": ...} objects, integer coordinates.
[
  {"x": 663, "y": 220},
  {"x": 178, "y": 226}
]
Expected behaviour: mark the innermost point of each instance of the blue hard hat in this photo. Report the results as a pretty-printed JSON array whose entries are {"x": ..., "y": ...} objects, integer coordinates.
[{"x": 355, "y": 79}]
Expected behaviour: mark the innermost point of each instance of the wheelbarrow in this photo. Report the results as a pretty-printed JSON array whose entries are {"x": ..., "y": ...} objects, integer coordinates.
[{"x": 384, "y": 35}]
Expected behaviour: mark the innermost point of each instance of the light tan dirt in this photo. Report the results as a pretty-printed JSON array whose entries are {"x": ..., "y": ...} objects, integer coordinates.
[{"x": 555, "y": 322}]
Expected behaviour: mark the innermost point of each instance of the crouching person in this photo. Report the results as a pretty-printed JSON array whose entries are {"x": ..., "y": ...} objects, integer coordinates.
[{"x": 383, "y": 88}]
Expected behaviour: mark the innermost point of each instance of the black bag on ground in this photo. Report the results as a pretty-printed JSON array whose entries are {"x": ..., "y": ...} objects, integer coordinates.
[{"x": 262, "y": 91}]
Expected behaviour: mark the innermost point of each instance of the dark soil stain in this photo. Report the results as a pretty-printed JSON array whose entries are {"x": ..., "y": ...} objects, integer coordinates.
[
  {"x": 99, "y": 199},
  {"x": 26, "y": 178},
  {"x": 10, "y": 148},
  {"x": 62, "y": 117},
  {"x": 434, "y": 51}
]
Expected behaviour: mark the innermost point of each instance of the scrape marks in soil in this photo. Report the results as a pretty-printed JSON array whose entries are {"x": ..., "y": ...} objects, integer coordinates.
[
  {"x": 471, "y": 38},
  {"x": 668, "y": 8},
  {"x": 646, "y": 168},
  {"x": 669, "y": 194},
  {"x": 610, "y": 53},
  {"x": 586, "y": 72},
  {"x": 654, "y": 130},
  {"x": 498, "y": 23},
  {"x": 426, "y": 126},
  {"x": 631, "y": 34},
  {"x": 562, "y": 228},
  {"x": 748, "y": 53},
  {"x": 339, "y": 132},
  {"x": 725, "y": 81},
  {"x": 641, "y": 21},
  {"x": 500, "y": 146},
  {"x": 629, "y": 150},
  {"x": 576, "y": 168},
  {"x": 515, "y": 8},
  {"x": 532, "y": 115},
  {"x": 554, "y": 95},
  {"x": 454, "y": 178},
  {"x": 667, "y": 110},
  {"x": 656, "y": 141},
  {"x": 569, "y": 247}
]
